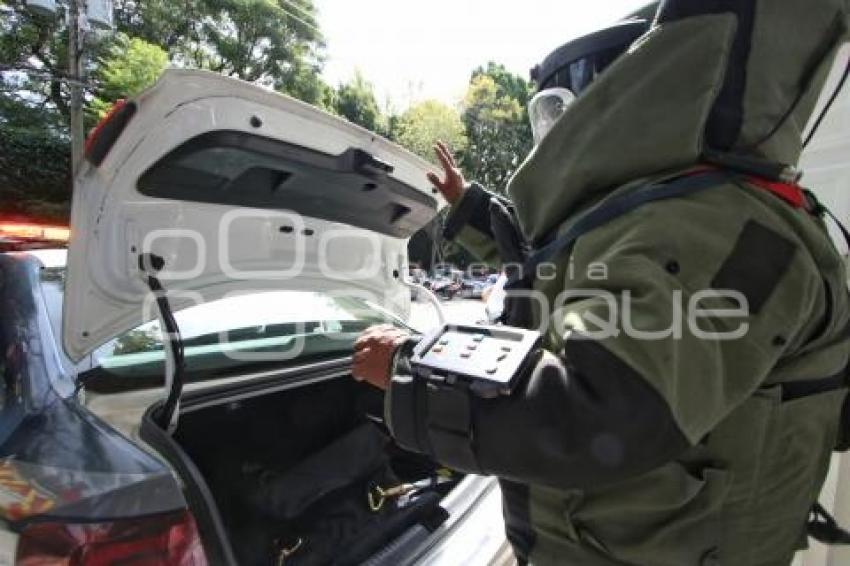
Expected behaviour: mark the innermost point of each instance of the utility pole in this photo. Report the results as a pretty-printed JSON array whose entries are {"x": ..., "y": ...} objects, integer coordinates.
[{"x": 75, "y": 70}]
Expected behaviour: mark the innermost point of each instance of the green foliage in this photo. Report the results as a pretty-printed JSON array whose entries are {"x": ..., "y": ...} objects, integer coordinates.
[
  {"x": 423, "y": 124},
  {"x": 355, "y": 101},
  {"x": 254, "y": 40},
  {"x": 37, "y": 44},
  {"x": 167, "y": 23},
  {"x": 497, "y": 137},
  {"x": 495, "y": 116},
  {"x": 17, "y": 112},
  {"x": 275, "y": 43},
  {"x": 34, "y": 172},
  {"x": 131, "y": 66},
  {"x": 305, "y": 84},
  {"x": 508, "y": 83}
]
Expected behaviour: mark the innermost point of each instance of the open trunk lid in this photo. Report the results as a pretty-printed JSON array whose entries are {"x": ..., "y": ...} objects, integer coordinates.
[{"x": 234, "y": 189}]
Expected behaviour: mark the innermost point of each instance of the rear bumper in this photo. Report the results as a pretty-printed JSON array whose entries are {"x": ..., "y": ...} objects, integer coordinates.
[{"x": 475, "y": 534}]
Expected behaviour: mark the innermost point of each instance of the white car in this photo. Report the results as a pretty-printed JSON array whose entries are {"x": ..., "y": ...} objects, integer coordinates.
[{"x": 228, "y": 244}]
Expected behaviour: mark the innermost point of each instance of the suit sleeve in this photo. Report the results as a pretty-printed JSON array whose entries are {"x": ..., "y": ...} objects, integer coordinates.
[
  {"x": 608, "y": 399},
  {"x": 468, "y": 224},
  {"x": 565, "y": 429}
]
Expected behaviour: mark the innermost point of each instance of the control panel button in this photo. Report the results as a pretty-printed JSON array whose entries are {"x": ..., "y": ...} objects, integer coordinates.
[
  {"x": 466, "y": 355},
  {"x": 491, "y": 371},
  {"x": 472, "y": 347},
  {"x": 502, "y": 358},
  {"x": 478, "y": 338},
  {"x": 506, "y": 349}
]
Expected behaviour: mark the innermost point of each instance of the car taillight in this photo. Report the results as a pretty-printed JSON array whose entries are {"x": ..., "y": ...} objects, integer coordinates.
[
  {"x": 170, "y": 540},
  {"x": 108, "y": 130}
]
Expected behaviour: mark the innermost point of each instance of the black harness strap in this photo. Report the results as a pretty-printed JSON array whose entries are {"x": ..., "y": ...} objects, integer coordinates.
[
  {"x": 517, "y": 310},
  {"x": 792, "y": 390},
  {"x": 613, "y": 208},
  {"x": 824, "y": 528}
]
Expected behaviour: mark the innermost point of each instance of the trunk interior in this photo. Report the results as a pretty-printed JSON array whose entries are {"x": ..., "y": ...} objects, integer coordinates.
[{"x": 295, "y": 475}]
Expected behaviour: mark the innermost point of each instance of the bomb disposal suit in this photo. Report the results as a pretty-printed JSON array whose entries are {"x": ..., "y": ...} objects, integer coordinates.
[{"x": 688, "y": 397}]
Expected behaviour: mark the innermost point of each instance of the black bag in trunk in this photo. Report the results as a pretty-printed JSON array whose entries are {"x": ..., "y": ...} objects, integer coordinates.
[{"x": 320, "y": 512}]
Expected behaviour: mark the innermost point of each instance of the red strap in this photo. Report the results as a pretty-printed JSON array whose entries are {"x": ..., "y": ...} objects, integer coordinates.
[{"x": 792, "y": 194}]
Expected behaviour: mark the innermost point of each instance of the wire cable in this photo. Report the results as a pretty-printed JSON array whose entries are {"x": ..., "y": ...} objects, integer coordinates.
[
  {"x": 828, "y": 106},
  {"x": 175, "y": 365}
]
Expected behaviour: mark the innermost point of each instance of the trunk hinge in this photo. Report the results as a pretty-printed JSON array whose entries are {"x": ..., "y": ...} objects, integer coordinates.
[{"x": 167, "y": 415}]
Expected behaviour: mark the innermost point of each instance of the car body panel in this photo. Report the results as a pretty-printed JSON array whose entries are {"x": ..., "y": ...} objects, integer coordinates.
[
  {"x": 57, "y": 459},
  {"x": 474, "y": 534},
  {"x": 211, "y": 250}
]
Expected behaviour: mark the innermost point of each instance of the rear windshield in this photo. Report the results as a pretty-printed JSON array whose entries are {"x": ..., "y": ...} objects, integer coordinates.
[{"x": 231, "y": 336}]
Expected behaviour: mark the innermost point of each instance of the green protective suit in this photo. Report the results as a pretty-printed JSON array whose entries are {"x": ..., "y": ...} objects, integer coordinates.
[{"x": 673, "y": 449}]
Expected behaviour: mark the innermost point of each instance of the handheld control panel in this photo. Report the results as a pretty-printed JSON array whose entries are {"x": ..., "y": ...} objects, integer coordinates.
[{"x": 490, "y": 360}]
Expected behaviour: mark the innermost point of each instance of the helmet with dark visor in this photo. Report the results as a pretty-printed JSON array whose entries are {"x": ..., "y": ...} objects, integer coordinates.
[{"x": 571, "y": 68}]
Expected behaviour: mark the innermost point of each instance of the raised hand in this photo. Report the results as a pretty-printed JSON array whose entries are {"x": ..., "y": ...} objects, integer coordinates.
[{"x": 454, "y": 184}]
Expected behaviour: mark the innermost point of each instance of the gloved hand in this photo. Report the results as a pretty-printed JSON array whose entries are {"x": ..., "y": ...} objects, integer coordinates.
[
  {"x": 373, "y": 354},
  {"x": 454, "y": 185}
]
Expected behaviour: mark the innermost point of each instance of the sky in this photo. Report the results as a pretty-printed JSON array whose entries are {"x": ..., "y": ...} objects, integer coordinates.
[{"x": 411, "y": 50}]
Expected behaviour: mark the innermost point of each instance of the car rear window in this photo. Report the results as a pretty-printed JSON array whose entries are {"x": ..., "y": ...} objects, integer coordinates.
[{"x": 235, "y": 335}]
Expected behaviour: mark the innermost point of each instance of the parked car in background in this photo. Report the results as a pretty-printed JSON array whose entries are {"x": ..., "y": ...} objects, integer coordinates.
[
  {"x": 446, "y": 288},
  {"x": 473, "y": 287}
]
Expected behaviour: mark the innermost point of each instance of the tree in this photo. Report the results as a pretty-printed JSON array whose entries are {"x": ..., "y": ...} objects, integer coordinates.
[
  {"x": 270, "y": 42},
  {"x": 305, "y": 84},
  {"x": 495, "y": 117},
  {"x": 168, "y": 23},
  {"x": 423, "y": 124},
  {"x": 509, "y": 84},
  {"x": 35, "y": 172},
  {"x": 355, "y": 101},
  {"x": 34, "y": 146},
  {"x": 34, "y": 48},
  {"x": 418, "y": 129},
  {"x": 131, "y": 66},
  {"x": 275, "y": 43}
]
